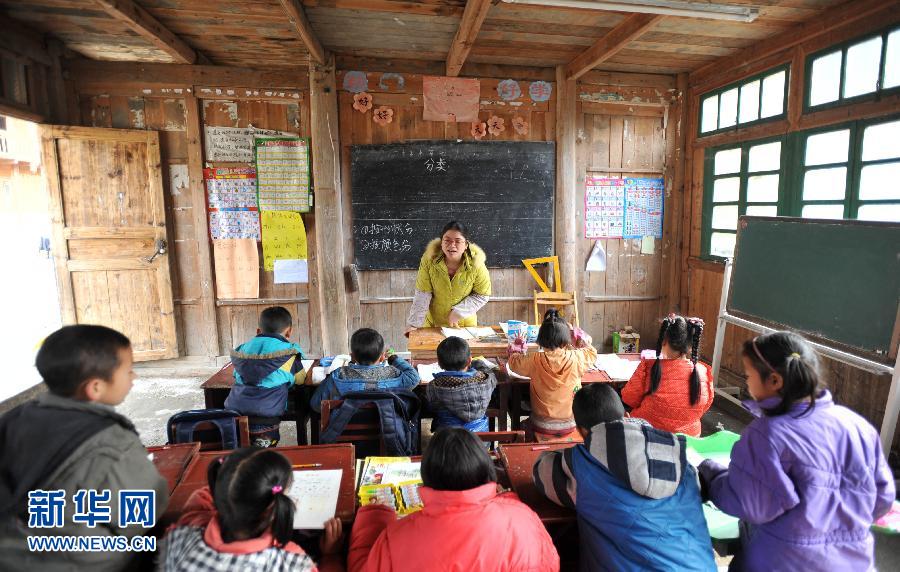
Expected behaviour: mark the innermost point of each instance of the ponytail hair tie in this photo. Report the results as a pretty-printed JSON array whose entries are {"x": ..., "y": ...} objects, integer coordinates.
[
  {"x": 795, "y": 355},
  {"x": 277, "y": 489}
]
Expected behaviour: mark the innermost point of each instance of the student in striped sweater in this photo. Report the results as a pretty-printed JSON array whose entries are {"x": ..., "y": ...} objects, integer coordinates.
[{"x": 637, "y": 498}]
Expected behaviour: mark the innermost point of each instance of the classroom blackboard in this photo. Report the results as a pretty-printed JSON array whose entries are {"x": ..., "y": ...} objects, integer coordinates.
[
  {"x": 837, "y": 281},
  {"x": 403, "y": 194}
]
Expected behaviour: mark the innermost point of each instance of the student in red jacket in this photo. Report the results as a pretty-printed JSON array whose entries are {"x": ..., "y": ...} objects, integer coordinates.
[
  {"x": 465, "y": 525},
  {"x": 673, "y": 391}
]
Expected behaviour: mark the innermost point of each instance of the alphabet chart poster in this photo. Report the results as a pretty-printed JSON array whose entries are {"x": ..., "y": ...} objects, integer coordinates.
[
  {"x": 282, "y": 166},
  {"x": 604, "y": 207},
  {"x": 643, "y": 207},
  {"x": 231, "y": 201}
]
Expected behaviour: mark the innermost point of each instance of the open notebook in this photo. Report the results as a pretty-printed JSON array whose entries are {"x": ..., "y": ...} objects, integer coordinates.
[{"x": 315, "y": 496}]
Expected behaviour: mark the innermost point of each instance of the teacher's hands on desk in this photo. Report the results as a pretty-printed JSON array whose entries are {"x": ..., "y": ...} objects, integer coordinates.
[
  {"x": 409, "y": 329},
  {"x": 453, "y": 318}
]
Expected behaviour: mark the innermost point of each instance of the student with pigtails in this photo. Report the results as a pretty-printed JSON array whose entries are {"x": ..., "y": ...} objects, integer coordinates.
[
  {"x": 244, "y": 520},
  {"x": 808, "y": 477},
  {"x": 673, "y": 391}
]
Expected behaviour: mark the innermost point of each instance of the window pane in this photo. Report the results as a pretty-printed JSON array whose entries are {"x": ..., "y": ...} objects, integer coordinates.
[
  {"x": 726, "y": 190},
  {"x": 762, "y": 189},
  {"x": 762, "y": 210},
  {"x": 879, "y": 182},
  {"x": 825, "y": 80},
  {"x": 825, "y": 184},
  {"x": 881, "y": 141},
  {"x": 710, "y": 116},
  {"x": 828, "y": 147},
  {"x": 725, "y": 217},
  {"x": 892, "y": 64},
  {"x": 773, "y": 95},
  {"x": 765, "y": 157},
  {"x": 728, "y": 108},
  {"x": 722, "y": 244},
  {"x": 823, "y": 211},
  {"x": 890, "y": 213},
  {"x": 749, "y": 102},
  {"x": 728, "y": 162},
  {"x": 863, "y": 67}
]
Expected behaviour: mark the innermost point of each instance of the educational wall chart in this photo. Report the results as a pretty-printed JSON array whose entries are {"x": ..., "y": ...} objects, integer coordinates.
[
  {"x": 623, "y": 208},
  {"x": 283, "y": 237},
  {"x": 237, "y": 268},
  {"x": 235, "y": 144},
  {"x": 282, "y": 170},
  {"x": 231, "y": 201}
]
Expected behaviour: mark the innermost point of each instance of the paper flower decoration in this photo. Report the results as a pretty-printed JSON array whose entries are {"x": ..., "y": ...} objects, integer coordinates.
[
  {"x": 479, "y": 129},
  {"x": 362, "y": 102},
  {"x": 495, "y": 125},
  {"x": 520, "y": 125},
  {"x": 383, "y": 115}
]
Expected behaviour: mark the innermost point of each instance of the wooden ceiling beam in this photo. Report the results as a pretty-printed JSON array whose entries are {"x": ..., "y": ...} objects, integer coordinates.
[
  {"x": 470, "y": 24},
  {"x": 151, "y": 29},
  {"x": 612, "y": 43},
  {"x": 297, "y": 16}
]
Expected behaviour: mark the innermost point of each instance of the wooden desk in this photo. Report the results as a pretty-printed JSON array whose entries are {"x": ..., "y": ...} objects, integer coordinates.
[
  {"x": 423, "y": 344},
  {"x": 172, "y": 460},
  {"x": 330, "y": 456},
  {"x": 519, "y": 458},
  {"x": 218, "y": 386}
]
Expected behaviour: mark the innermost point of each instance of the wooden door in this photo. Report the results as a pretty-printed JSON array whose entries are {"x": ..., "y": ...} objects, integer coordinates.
[{"x": 108, "y": 222}]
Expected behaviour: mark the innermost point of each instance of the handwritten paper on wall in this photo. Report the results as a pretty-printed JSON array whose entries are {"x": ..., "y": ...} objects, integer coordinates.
[
  {"x": 235, "y": 144},
  {"x": 237, "y": 268},
  {"x": 282, "y": 171},
  {"x": 450, "y": 99},
  {"x": 231, "y": 201},
  {"x": 283, "y": 237},
  {"x": 291, "y": 271}
]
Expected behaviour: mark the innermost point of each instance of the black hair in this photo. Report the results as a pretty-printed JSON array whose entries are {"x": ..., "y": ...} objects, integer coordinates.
[
  {"x": 683, "y": 335},
  {"x": 453, "y": 354},
  {"x": 596, "y": 403},
  {"x": 366, "y": 345},
  {"x": 459, "y": 227},
  {"x": 74, "y": 354},
  {"x": 554, "y": 332},
  {"x": 456, "y": 460},
  {"x": 794, "y": 359},
  {"x": 245, "y": 491},
  {"x": 274, "y": 320}
]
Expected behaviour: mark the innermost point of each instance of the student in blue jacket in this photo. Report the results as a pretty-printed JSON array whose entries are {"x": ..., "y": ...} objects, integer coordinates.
[
  {"x": 637, "y": 498},
  {"x": 265, "y": 368},
  {"x": 368, "y": 370}
]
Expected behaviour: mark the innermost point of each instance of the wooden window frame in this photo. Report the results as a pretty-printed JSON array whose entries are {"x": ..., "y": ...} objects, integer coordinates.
[
  {"x": 842, "y": 47},
  {"x": 786, "y": 67}
]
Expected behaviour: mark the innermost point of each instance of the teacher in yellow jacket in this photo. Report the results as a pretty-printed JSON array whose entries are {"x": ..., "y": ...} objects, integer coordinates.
[{"x": 453, "y": 282}]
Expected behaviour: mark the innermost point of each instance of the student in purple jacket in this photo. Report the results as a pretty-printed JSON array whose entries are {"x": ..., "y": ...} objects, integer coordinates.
[{"x": 808, "y": 477}]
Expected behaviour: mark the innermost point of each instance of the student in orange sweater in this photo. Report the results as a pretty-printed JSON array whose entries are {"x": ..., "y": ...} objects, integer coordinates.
[
  {"x": 674, "y": 391},
  {"x": 555, "y": 376}
]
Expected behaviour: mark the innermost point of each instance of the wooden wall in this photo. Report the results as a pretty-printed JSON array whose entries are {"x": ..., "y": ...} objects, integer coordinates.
[{"x": 701, "y": 285}]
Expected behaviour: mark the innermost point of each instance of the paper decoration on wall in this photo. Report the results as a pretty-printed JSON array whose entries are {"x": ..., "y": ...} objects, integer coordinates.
[
  {"x": 383, "y": 115},
  {"x": 597, "y": 260},
  {"x": 356, "y": 81},
  {"x": 540, "y": 90},
  {"x": 450, "y": 99},
  {"x": 179, "y": 179},
  {"x": 291, "y": 271},
  {"x": 623, "y": 208},
  {"x": 479, "y": 129},
  {"x": 644, "y": 207},
  {"x": 520, "y": 125},
  {"x": 386, "y": 77},
  {"x": 235, "y": 144},
  {"x": 237, "y": 268},
  {"x": 604, "y": 207},
  {"x": 362, "y": 102},
  {"x": 495, "y": 125},
  {"x": 509, "y": 90},
  {"x": 282, "y": 170},
  {"x": 231, "y": 202},
  {"x": 283, "y": 237}
]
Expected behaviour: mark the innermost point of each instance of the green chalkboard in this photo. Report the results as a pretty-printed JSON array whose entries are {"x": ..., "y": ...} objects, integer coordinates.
[{"x": 836, "y": 281}]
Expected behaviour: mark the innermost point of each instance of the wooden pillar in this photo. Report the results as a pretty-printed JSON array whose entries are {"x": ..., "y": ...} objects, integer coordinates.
[
  {"x": 326, "y": 164},
  {"x": 207, "y": 328},
  {"x": 566, "y": 235},
  {"x": 673, "y": 242}
]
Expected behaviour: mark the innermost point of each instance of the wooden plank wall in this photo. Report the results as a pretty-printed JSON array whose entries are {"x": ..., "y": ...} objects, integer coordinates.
[
  {"x": 621, "y": 132},
  {"x": 359, "y": 129}
]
